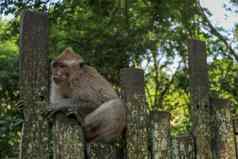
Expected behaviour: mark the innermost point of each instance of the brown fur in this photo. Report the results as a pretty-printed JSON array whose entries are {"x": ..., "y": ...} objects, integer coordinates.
[{"x": 105, "y": 115}]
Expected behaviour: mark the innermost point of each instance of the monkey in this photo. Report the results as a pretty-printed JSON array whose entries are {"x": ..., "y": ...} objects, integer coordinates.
[{"x": 79, "y": 89}]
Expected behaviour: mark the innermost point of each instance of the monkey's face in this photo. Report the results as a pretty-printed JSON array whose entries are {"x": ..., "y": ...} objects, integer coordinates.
[
  {"x": 65, "y": 66},
  {"x": 60, "y": 72}
]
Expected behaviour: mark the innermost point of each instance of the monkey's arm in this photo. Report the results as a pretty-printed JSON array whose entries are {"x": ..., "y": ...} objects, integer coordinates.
[{"x": 72, "y": 107}]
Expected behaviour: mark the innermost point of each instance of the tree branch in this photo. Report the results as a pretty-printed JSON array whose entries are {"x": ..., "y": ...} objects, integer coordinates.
[
  {"x": 215, "y": 32},
  {"x": 165, "y": 90}
]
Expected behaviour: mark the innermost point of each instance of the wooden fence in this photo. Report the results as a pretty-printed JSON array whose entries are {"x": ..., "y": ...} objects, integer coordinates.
[{"x": 148, "y": 135}]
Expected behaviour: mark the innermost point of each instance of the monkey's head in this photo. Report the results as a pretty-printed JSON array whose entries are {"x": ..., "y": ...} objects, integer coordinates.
[{"x": 64, "y": 64}]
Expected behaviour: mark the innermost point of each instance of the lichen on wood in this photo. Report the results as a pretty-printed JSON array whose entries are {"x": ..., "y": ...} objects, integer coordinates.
[
  {"x": 68, "y": 138},
  {"x": 34, "y": 84},
  {"x": 200, "y": 106},
  {"x": 160, "y": 134},
  {"x": 223, "y": 138},
  {"x": 183, "y": 147},
  {"x": 132, "y": 89},
  {"x": 105, "y": 150}
]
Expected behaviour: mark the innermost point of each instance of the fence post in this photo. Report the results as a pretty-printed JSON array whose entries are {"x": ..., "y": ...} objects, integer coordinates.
[
  {"x": 201, "y": 109},
  {"x": 184, "y": 146},
  {"x": 224, "y": 143},
  {"x": 160, "y": 135},
  {"x": 132, "y": 85},
  {"x": 104, "y": 150},
  {"x": 68, "y": 138},
  {"x": 235, "y": 128},
  {"x": 34, "y": 85}
]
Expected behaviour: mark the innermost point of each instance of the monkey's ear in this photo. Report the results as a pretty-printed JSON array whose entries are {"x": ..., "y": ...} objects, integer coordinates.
[
  {"x": 81, "y": 64},
  {"x": 52, "y": 63},
  {"x": 68, "y": 50},
  {"x": 56, "y": 63}
]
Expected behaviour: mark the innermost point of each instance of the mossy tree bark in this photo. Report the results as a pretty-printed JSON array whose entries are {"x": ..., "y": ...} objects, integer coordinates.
[{"x": 34, "y": 85}]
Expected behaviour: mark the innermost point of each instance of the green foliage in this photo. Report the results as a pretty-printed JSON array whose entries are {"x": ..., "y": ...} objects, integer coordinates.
[
  {"x": 224, "y": 79},
  {"x": 177, "y": 104},
  {"x": 111, "y": 35},
  {"x": 10, "y": 119}
]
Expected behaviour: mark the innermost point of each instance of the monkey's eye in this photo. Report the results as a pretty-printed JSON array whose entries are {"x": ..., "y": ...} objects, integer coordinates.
[
  {"x": 82, "y": 64},
  {"x": 58, "y": 64}
]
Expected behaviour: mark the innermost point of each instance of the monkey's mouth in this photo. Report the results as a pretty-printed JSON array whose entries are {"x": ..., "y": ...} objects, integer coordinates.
[{"x": 57, "y": 80}]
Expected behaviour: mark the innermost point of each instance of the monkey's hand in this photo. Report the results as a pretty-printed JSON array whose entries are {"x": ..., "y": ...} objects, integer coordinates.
[
  {"x": 58, "y": 107},
  {"x": 70, "y": 111}
]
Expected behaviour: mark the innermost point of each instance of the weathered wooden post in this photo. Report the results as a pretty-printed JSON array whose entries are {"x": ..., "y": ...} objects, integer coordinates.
[
  {"x": 68, "y": 138},
  {"x": 235, "y": 128},
  {"x": 224, "y": 142},
  {"x": 104, "y": 151},
  {"x": 200, "y": 106},
  {"x": 160, "y": 135},
  {"x": 184, "y": 147},
  {"x": 34, "y": 75},
  {"x": 132, "y": 85}
]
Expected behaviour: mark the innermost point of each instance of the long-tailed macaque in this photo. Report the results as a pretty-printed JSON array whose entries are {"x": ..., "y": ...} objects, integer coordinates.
[{"x": 77, "y": 86}]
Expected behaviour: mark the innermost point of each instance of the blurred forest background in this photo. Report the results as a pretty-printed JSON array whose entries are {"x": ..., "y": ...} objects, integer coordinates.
[{"x": 110, "y": 35}]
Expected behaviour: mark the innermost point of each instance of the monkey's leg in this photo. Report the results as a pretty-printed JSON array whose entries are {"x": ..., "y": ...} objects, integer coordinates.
[{"x": 106, "y": 122}]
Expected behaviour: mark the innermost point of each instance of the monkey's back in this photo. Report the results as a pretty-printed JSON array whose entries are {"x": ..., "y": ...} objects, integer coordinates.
[{"x": 92, "y": 86}]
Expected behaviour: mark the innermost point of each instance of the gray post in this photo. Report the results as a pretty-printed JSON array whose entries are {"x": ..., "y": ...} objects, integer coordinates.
[
  {"x": 224, "y": 142},
  {"x": 34, "y": 72},
  {"x": 184, "y": 147},
  {"x": 68, "y": 138},
  {"x": 235, "y": 128},
  {"x": 132, "y": 85},
  {"x": 160, "y": 135},
  {"x": 201, "y": 115},
  {"x": 104, "y": 150}
]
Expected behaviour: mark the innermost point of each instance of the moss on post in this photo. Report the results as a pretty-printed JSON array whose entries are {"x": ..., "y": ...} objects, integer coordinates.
[
  {"x": 160, "y": 135},
  {"x": 200, "y": 110},
  {"x": 184, "y": 146},
  {"x": 132, "y": 84},
  {"x": 68, "y": 138},
  {"x": 104, "y": 150},
  {"x": 34, "y": 85},
  {"x": 224, "y": 139},
  {"x": 235, "y": 127}
]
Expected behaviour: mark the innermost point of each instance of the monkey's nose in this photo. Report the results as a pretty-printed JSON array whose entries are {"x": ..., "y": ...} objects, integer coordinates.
[
  {"x": 58, "y": 74},
  {"x": 57, "y": 79}
]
